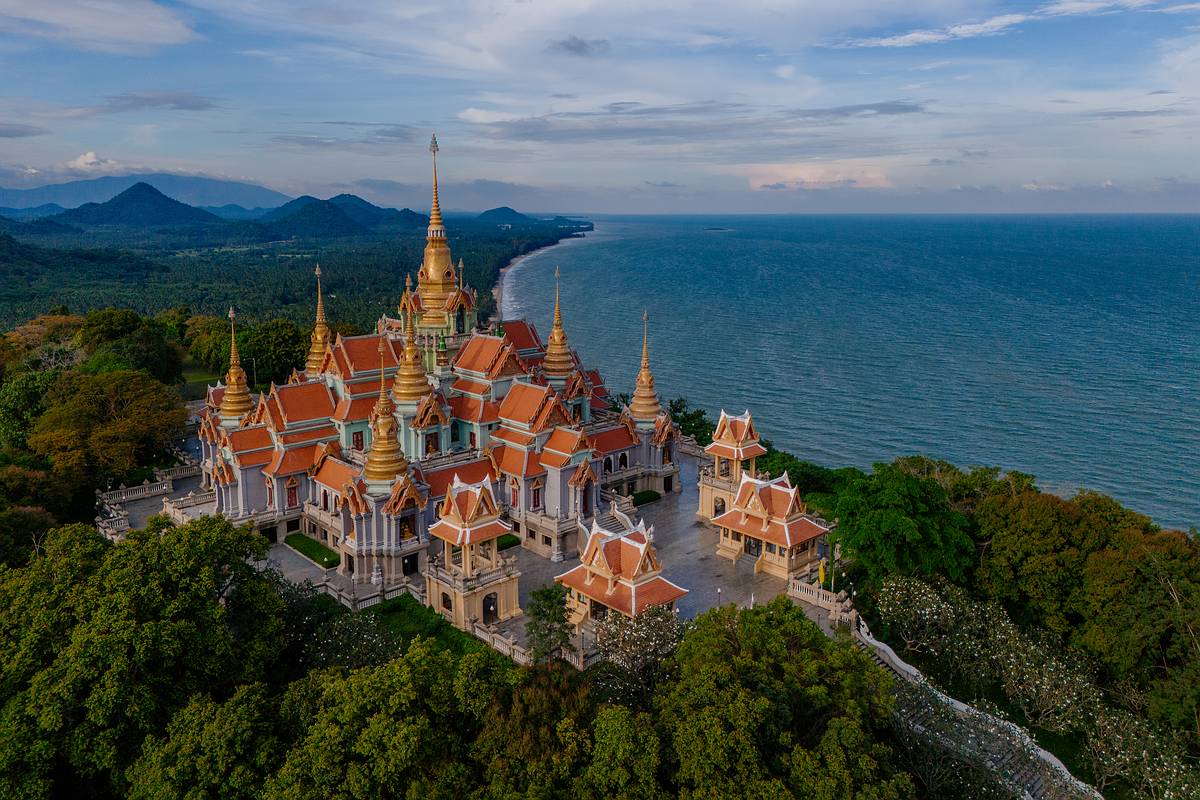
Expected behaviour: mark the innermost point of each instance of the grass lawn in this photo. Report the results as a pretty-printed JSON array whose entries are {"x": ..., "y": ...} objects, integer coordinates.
[
  {"x": 407, "y": 618},
  {"x": 313, "y": 550},
  {"x": 645, "y": 496},
  {"x": 508, "y": 540},
  {"x": 195, "y": 379}
]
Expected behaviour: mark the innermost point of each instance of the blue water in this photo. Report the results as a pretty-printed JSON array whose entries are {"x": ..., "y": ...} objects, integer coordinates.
[{"x": 1068, "y": 347}]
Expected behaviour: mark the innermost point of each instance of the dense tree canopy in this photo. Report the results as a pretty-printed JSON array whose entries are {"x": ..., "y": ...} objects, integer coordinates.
[{"x": 892, "y": 521}]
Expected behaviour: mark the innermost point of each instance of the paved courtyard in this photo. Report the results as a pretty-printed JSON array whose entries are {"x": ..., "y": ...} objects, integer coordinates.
[{"x": 142, "y": 509}]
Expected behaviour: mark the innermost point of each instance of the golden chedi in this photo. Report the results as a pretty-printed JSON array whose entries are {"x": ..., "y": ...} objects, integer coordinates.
[
  {"x": 385, "y": 459},
  {"x": 436, "y": 279},
  {"x": 321, "y": 337},
  {"x": 236, "y": 402},
  {"x": 558, "y": 362},
  {"x": 645, "y": 407},
  {"x": 411, "y": 384}
]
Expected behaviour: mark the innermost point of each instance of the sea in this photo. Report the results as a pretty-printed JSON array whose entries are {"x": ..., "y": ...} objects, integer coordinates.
[{"x": 1063, "y": 346}]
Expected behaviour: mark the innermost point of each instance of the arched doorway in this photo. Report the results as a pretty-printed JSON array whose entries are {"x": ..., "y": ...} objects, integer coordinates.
[
  {"x": 491, "y": 610},
  {"x": 718, "y": 507}
]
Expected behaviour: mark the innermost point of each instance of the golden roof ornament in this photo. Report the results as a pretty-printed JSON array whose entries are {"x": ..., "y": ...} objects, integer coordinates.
[
  {"x": 319, "y": 341},
  {"x": 558, "y": 362},
  {"x": 385, "y": 459},
  {"x": 411, "y": 384},
  {"x": 645, "y": 406},
  {"x": 236, "y": 402}
]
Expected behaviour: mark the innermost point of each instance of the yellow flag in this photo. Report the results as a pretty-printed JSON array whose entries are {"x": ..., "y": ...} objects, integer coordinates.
[{"x": 821, "y": 573}]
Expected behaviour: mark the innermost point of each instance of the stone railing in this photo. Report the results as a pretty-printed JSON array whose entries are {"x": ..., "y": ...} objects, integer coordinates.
[
  {"x": 177, "y": 507},
  {"x": 1008, "y": 751},
  {"x": 179, "y": 471},
  {"x": 358, "y": 596},
  {"x": 114, "y": 527},
  {"x": 147, "y": 489},
  {"x": 507, "y": 568},
  {"x": 688, "y": 444},
  {"x": 501, "y": 642},
  {"x": 618, "y": 502}
]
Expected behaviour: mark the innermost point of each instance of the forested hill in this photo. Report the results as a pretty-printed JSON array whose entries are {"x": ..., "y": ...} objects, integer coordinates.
[{"x": 139, "y": 205}]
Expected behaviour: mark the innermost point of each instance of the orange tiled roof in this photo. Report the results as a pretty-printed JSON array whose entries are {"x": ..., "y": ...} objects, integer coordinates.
[
  {"x": 735, "y": 438},
  {"x": 470, "y": 387},
  {"x": 488, "y": 355},
  {"x": 563, "y": 444},
  {"x": 439, "y": 480},
  {"x": 292, "y": 460},
  {"x": 629, "y": 599},
  {"x": 300, "y": 402},
  {"x": 614, "y": 439},
  {"x": 242, "y": 440},
  {"x": 523, "y": 335},
  {"x": 309, "y": 434},
  {"x": 469, "y": 514},
  {"x": 354, "y": 354},
  {"x": 772, "y": 511},
  {"x": 535, "y": 407},
  {"x": 517, "y": 438},
  {"x": 353, "y": 409},
  {"x": 515, "y": 461},
  {"x": 253, "y": 458},
  {"x": 335, "y": 473},
  {"x": 472, "y": 409}
]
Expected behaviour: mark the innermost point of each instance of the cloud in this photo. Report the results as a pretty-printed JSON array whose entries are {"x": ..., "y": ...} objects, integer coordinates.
[
  {"x": 142, "y": 101},
  {"x": 974, "y": 153},
  {"x": 125, "y": 27},
  {"x": 1002, "y": 23},
  {"x": 888, "y": 108},
  {"x": 575, "y": 46},
  {"x": 91, "y": 163},
  {"x": 375, "y": 138},
  {"x": 1134, "y": 113},
  {"x": 16, "y": 130},
  {"x": 943, "y": 162},
  {"x": 663, "y": 185}
]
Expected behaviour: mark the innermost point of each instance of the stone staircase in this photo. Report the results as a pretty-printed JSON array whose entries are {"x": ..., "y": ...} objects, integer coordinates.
[{"x": 999, "y": 746}]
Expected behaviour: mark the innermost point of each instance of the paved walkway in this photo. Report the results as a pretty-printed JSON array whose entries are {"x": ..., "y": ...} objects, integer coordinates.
[{"x": 142, "y": 509}]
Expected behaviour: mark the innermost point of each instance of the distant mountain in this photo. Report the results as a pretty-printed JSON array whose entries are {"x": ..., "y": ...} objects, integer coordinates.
[
  {"x": 370, "y": 215},
  {"x": 312, "y": 220},
  {"x": 505, "y": 216},
  {"x": 185, "y": 188},
  {"x": 289, "y": 208},
  {"x": 141, "y": 205},
  {"x": 44, "y": 210},
  {"x": 234, "y": 211}
]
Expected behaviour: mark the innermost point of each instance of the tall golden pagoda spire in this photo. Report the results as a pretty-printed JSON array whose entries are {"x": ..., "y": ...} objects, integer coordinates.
[
  {"x": 411, "y": 384},
  {"x": 558, "y": 362},
  {"x": 236, "y": 402},
  {"x": 436, "y": 280},
  {"x": 320, "y": 339},
  {"x": 645, "y": 406},
  {"x": 385, "y": 460}
]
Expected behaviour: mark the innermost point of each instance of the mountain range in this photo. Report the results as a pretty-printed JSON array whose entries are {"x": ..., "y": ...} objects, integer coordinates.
[{"x": 190, "y": 189}]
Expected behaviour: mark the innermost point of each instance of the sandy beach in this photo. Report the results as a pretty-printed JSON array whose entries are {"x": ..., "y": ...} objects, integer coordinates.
[{"x": 498, "y": 289}]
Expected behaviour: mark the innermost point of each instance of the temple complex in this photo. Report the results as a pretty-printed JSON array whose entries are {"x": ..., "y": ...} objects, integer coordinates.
[
  {"x": 619, "y": 572},
  {"x": 361, "y": 448}
]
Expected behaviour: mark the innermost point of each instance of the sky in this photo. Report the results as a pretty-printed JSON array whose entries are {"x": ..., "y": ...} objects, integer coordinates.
[{"x": 619, "y": 106}]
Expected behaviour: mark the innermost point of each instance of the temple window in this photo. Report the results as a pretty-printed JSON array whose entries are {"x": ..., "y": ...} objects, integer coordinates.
[
  {"x": 293, "y": 494},
  {"x": 514, "y": 495},
  {"x": 431, "y": 443},
  {"x": 723, "y": 467},
  {"x": 770, "y": 548},
  {"x": 607, "y": 464},
  {"x": 537, "y": 498},
  {"x": 472, "y": 440},
  {"x": 666, "y": 455},
  {"x": 623, "y": 461},
  {"x": 356, "y": 439},
  {"x": 455, "y": 436},
  {"x": 324, "y": 499},
  {"x": 447, "y": 603}
]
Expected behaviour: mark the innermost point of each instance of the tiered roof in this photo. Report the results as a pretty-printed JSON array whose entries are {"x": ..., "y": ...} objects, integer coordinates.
[
  {"x": 771, "y": 510},
  {"x": 620, "y": 569},
  {"x": 469, "y": 515},
  {"x": 735, "y": 438}
]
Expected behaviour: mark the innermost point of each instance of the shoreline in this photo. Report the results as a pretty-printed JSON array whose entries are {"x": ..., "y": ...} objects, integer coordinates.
[{"x": 498, "y": 287}]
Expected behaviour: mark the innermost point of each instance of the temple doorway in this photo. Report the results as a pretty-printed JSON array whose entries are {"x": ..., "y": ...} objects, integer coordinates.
[
  {"x": 408, "y": 564},
  {"x": 491, "y": 613},
  {"x": 753, "y": 547}
]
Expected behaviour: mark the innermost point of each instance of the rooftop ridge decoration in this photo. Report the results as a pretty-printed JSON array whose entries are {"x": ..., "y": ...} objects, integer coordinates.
[
  {"x": 236, "y": 401},
  {"x": 645, "y": 406}
]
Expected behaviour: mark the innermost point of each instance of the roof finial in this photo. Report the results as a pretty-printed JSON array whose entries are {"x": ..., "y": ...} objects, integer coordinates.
[
  {"x": 236, "y": 401},
  {"x": 233, "y": 353},
  {"x": 435, "y": 210},
  {"x": 319, "y": 341}
]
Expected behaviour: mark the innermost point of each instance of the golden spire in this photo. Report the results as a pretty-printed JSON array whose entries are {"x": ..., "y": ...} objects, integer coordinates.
[
  {"x": 236, "y": 402},
  {"x": 558, "y": 362},
  {"x": 645, "y": 406},
  {"x": 385, "y": 460},
  {"x": 436, "y": 280},
  {"x": 319, "y": 341},
  {"x": 435, "y": 209},
  {"x": 411, "y": 385}
]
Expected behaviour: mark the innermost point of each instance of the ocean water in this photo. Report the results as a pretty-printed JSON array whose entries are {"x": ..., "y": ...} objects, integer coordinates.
[{"x": 1068, "y": 347}]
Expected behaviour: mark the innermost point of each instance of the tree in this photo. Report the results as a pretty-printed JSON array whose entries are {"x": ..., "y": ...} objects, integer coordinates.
[
  {"x": 103, "y": 644},
  {"x": 893, "y": 522},
  {"x": 625, "y": 758},
  {"x": 276, "y": 347},
  {"x": 634, "y": 652},
  {"x": 101, "y": 427},
  {"x": 20, "y": 529},
  {"x": 211, "y": 750},
  {"x": 766, "y": 705},
  {"x": 546, "y": 624},
  {"x": 692, "y": 422},
  {"x": 22, "y": 400}
]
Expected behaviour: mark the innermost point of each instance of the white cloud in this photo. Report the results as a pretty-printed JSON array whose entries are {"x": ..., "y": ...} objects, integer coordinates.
[
  {"x": 109, "y": 25},
  {"x": 89, "y": 162},
  {"x": 785, "y": 71}
]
